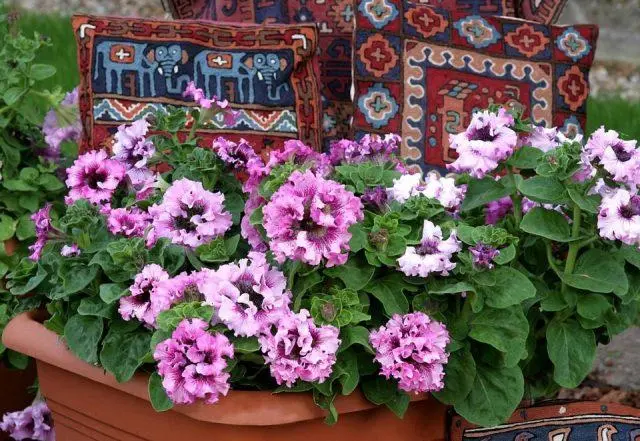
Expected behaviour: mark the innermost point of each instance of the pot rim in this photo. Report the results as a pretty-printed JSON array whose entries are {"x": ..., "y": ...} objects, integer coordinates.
[{"x": 26, "y": 334}]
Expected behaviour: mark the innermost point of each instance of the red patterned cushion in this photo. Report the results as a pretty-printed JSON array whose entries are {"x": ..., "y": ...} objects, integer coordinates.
[
  {"x": 544, "y": 11},
  {"x": 422, "y": 71},
  {"x": 134, "y": 67},
  {"x": 335, "y": 20}
]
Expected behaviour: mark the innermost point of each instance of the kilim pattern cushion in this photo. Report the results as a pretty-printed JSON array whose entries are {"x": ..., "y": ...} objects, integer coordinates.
[
  {"x": 585, "y": 421},
  {"x": 335, "y": 23},
  {"x": 422, "y": 72},
  {"x": 131, "y": 68},
  {"x": 544, "y": 11}
]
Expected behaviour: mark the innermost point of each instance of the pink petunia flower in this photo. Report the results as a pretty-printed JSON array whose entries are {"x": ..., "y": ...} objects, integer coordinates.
[
  {"x": 411, "y": 348},
  {"x": 93, "y": 176},
  {"x": 184, "y": 287},
  {"x": 248, "y": 296},
  {"x": 308, "y": 219},
  {"x": 70, "y": 250},
  {"x": 299, "y": 153},
  {"x": 444, "y": 190},
  {"x": 61, "y": 125},
  {"x": 370, "y": 148},
  {"x": 488, "y": 140},
  {"x": 483, "y": 255},
  {"x": 139, "y": 304},
  {"x": 190, "y": 215},
  {"x": 619, "y": 217},
  {"x": 32, "y": 423},
  {"x": 192, "y": 363},
  {"x": 297, "y": 349},
  {"x": 433, "y": 255},
  {"x": 128, "y": 222},
  {"x": 237, "y": 155},
  {"x": 248, "y": 231}
]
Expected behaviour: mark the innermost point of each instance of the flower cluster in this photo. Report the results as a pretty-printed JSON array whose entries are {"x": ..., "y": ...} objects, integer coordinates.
[
  {"x": 433, "y": 255},
  {"x": 370, "y": 148},
  {"x": 297, "y": 349},
  {"x": 412, "y": 349},
  {"x": 488, "y": 140},
  {"x": 249, "y": 296},
  {"x": 33, "y": 423},
  {"x": 192, "y": 363},
  {"x": 308, "y": 219},
  {"x": 190, "y": 215}
]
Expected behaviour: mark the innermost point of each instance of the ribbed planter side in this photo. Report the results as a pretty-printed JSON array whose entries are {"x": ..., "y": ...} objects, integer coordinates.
[{"x": 89, "y": 404}]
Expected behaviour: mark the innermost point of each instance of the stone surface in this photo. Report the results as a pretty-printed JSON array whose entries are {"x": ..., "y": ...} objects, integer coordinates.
[{"x": 618, "y": 364}]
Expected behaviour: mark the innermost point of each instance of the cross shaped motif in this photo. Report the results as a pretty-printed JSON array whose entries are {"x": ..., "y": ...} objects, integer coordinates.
[
  {"x": 575, "y": 87},
  {"x": 219, "y": 61},
  {"x": 527, "y": 41},
  {"x": 476, "y": 30},
  {"x": 378, "y": 9},
  {"x": 426, "y": 20},
  {"x": 379, "y": 105},
  {"x": 121, "y": 54},
  {"x": 573, "y": 43},
  {"x": 378, "y": 55},
  {"x": 347, "y": 13}
]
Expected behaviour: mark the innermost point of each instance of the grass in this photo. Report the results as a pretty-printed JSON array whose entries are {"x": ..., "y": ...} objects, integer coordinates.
[{"x": 614, "y": 113}]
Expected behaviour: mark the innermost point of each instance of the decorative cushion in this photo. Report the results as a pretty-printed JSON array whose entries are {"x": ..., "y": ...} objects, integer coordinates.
[
  {"x": 134, "y": 67},
  {"x": 335, "y": 20},
  {"x": 422, "y": 71},
  {"x": 564, "y": 422},
  {"x": 543, "y": 11}
]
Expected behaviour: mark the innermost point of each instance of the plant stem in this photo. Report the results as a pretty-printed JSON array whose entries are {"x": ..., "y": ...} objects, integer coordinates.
[
  {"x": 516, "y": 199},
  {"x": 553, "y": 265},
  {"x": 574, "y": 246}
]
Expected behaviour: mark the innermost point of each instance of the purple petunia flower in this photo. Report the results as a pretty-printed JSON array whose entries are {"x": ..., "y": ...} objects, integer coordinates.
[
  {"x": 375, "y": 197},
  {"x": 619, "y": 217},
  {"x": 32, "y": 423},
  {"x": 190, "y": 215},
  {"x": 488, "y": 140},
  {"x": 128, "y": 222},
  {"x": 42, "y": 222},
  {"x": 369, "y": 148},
  {"x": 61, "y": 125},
  {"x": 237, "y": 155},
  {"x": 300, "y": 350},
  {"x": 184, "y": 287},
  {"x": 411, "y": 348},
  {"x": 433, "y": 255},
  {"x": 133, "y": 150},
  {"x": 139, "y": 304},
  {"x": 248, "y": 296},
  {"x": 192, "y": 363},
  {"x": 308, "y": 219},
  {"x": 93, "y": 176},
  {"x": 483, "y": 255},
  {"x": 543, "y": 138},
  {"x": 301, "y": 154}
]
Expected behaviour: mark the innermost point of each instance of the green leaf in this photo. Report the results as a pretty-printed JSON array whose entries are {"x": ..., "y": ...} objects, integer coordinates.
[
  {"x": 355, "y": 273},
  {"x": 123, "y": 352},
  {"x": 482, "y": 191},
  {"x": 355, "y": 335},
  {"x": 243, "y": 345},
  {"x": 346, "y": 369},
  {"x": 597, "y": 271},
  {"x": 25, "y": 228},
  {"x": 83, "y": 334},
  {"x": 12, "y": 95},
  {"x": 572, "y": 351},
  {"x": 358, "y": 237},
  {"x": 379, "y": 390},
  {"x": 542, "y": 189},
  {"x": 588, "y": 203},
  {"x": 78, "y": 279},
  {"x": 593, "y": 306},
  {"x": 460, "y": 373},
  {"x": 94, "y": 306},
  {"x": 525, "y": 158},
  {"x": 32, "y": 283},
  {"x": 110, "y": 292},
  {"x": 7, "y": 227},
  {"x": 494, "y": 396},
  {"x": 506, "y": 255},
  {"x": 18, "y": 185},
  {"x": 169, "y": 320},
  {"x": 157, "y": 395},
  {"x": 546, "y": 223},
  {"x": 41, "y": 72},
  {"x": 389, "y": 291},
  {"x": 400, "y": 404},
  {"x": 17, "y": 360},
  {"x": 450, "y": 288},
  {"x": 504, "y": 329},
  {"x": 631, "y": 254},
  {"x": 511, "y": 288}
]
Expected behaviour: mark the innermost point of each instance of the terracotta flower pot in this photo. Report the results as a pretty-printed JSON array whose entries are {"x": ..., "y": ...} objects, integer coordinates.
[{"x": 90, "y": 404}]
